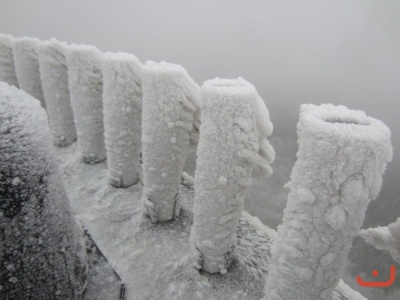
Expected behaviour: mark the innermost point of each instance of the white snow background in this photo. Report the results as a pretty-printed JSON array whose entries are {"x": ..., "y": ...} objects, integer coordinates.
[{"x": 293, "y": 52}]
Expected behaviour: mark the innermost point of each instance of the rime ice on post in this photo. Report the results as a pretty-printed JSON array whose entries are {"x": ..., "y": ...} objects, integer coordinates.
[
  {"x": 26, "y": 61},
  {"x": 170, "y": 98},
  {"x": 122, "y": 96},
  {"x": 86, "y": 91},
  {"x": 340, "y": 162},
  {"x": 54, "y": 76},
  {"x": 232, "y": 147},
  {"x": 7, "y": 67},
  {"x": 43, "y": 254}
]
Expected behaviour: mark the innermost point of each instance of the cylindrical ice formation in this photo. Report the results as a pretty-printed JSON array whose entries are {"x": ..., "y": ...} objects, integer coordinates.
[
  {"x": 26, "y": 59},
  {"x": 86, "y": 92},
  {"x": 42, "y": 249},
  {"x": 54, "y": 76},
  {"x": 122, "y": 96},
  {"x": 232, "y": 147},
  {"x": 170, "y": 98},
  {"x": 340, "y": 162},
  {"x": 7, "y": 67}
]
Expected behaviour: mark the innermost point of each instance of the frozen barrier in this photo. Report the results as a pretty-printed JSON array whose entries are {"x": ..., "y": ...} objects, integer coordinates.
[
  {"x": 26, "y": 59},
  {"x": 340, "y": 162},
  {"x": 232, "y": 147},
  {"x": 42, "y": 250},
  {"x": 7, "y": 67},
  {"x": 86, "y": 90},
  {"x": 122, "y": 96},
  {"x": 170, "y": 100},
  {"x": 54, "y": 76}
]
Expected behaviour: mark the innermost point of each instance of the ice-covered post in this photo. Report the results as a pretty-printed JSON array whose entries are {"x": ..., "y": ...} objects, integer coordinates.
[
  {"x": 122, "y": 96},
  {"x": 170, "y": 99},
  {"x": 26, "y": 59},
  {"x": 54, "y": 76},
  {"x": 340, "y": 162},
  {"x": 7, "y": 67},
  {"x": 233, "y": 147},
  {"x": 42, "y": 250},
  {"x": 86, "y": 91}
]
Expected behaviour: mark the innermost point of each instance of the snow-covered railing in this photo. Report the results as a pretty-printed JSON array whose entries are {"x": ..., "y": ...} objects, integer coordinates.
[
  {"x": 43, "y": 254},
  {"x": 7, "y": 67},
  {"x": 232, "y": 145},
  {"x": 340, "y": 162}
]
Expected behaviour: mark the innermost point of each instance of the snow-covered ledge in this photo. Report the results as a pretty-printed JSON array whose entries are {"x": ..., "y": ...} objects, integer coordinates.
[
  {"x": 42, "y": 250},
  {"x": 122, "y": 96},
  {"x": 54, "y": 76},
  {"x": 232, "y": 145},
  {"x": 7, "y": 67},
  {"x": 340, "y": 163},
  {"x": 170, "y": 99},
  {"x": 86, "y": 90}
]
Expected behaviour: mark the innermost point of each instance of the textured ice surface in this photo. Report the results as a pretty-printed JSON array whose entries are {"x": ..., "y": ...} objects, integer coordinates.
[
  {"x": 7, "y": 67},
  {"x": 86, "y": 91},
  {"x": 26, "y": 61},
  {"x": 42, "y": 252},
  {"x": 122, "y": 96},
  {"x": 341, "y": 159},
  {"x": 54, "y": 76}
]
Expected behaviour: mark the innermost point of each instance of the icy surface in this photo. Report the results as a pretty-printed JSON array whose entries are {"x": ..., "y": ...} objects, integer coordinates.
[
  {"x": 232, "y": 143},
  {"x": 86, "y": 91},
  {"x": 42, "y": 252},
  {"x": 26, "y": 61},
  {"x": 54, "y": 76},
  {"x": 7, "y": 67},
  {"x": 122, "y": 96},
  {"x": 170, "y": 99},
  {"x": 341, "y": 159}
]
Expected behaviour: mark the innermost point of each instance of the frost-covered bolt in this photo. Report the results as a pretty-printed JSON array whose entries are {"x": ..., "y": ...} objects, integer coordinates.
[
  {"x": 122, "y": 96},
  {"x": 170, "y": 99},
  {"x": 232, "y": 148},
  {"x": 86, "y": 90},
  {"x": 7, "y": 67},
  {"x": 54, "y": 76},
  {"x": 26, "y": 59},
  {"x": 340, "y": 162},
  {"x": 42, "y": 247}
]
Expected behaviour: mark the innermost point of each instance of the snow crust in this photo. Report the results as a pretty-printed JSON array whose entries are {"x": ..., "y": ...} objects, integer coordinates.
[
  {"x": 7, "y": 67},
  {"x": 122, "y": 96},
  {"x": 232, "y": 145},
  {"x": 42, "y": 251},
  {"x": 170, "y": 100},
  {"x": 340, "y": 162},
  {"x": 26, "y": 59},
  {"x": 86, "y": 90},
  {"x": 54, "y": 76}
]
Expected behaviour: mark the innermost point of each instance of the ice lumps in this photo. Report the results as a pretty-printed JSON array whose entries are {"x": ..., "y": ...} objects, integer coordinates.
[
  {"x": 26, "y": 59},
  {"x": 43, "y": 254},
  {"x": 7, "y": 67},
  {"x": 233, "y": 146},
  {"x": 170, "y": 99},
  {"x": 54, "y": 76},
  {"x": 122, "y": 96},
  {"x": 340, "y": 162},
  {"x": 86, "y": 91}
]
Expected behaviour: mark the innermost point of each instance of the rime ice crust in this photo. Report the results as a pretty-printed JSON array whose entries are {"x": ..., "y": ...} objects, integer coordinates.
[
  {"x": 170, "y": 99},
  {"x": 86, "y": 91},
  {"x": 26, "y": 61},
  {"x": 54, "y": 76},
  {"x": 122, "y": 96},
  {"x": 43, "y": 254},
  {"x": 7, "y": 67},
  {"x": 340, "y": 162},
  {"x": 232, "y": 145}
]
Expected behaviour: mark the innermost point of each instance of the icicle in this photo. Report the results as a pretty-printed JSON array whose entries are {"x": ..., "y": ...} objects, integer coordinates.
[{"x": 7, "y": 67}]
